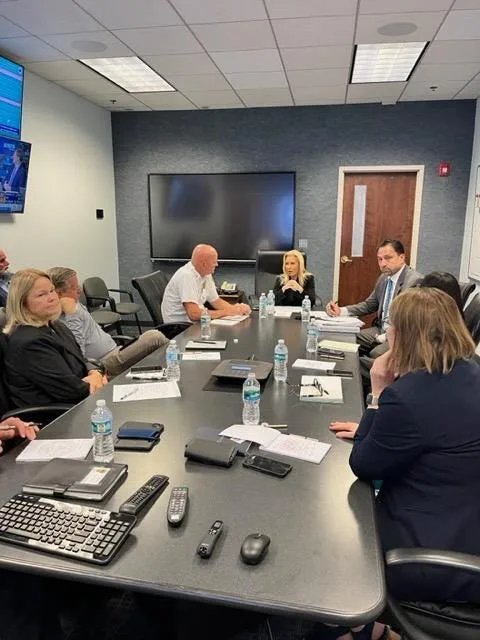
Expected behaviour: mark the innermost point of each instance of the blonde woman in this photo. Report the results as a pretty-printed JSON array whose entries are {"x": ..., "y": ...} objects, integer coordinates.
[
  {"x": 43, "y": 363},
  {"x": 295, "y": 282}
]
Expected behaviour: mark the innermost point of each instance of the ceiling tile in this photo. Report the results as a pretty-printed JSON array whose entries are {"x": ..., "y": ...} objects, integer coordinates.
[
  {"x": 309, "y": 102},
  {"x": 163, "y": 101},
  {"x": 257, "y": 80},
  {"x": 452, "y": 51},
  {"x": 471, "y": 91},
  {"x": 466, "y": 4},
  {"x": 248, "y": 61},
  {"x": 426, "y": 27},
  {"x": 49, "y": 16},
  {"x": 195, "y": 12},
  {"x": 421, "y": 90},
  {"x": 10, "y": 30},
  {"x": 159, "y": 40},
  {"x": 301, "y": 94},
  {"x": 101, "y": 44},
  {"x": 182, "y": 65},
  {"x": 210, "y": 98},
  {"x": 309, "y": 8},
  {"x": 317, "y": 57},
  {"x": 376, "y": 91},
  {"x": 310, "y": 32},
  {"x": 129, "y": 15},
  {"x": 392, "y": 6},
  {"x": 266, "y": 97},
  {"x": 211, "y": 82},
  {"x": 460, "y": 25},
  {"x": 30, "y": 49},
  {"x": 118, "y": 102},
  {"x": 235, "y": 36},
  {"x": 318, "y": 77},
  {"x": 95, "y": 86},
  {"x": 436, "y": 73},
  {"x": 61, "y": 70}
]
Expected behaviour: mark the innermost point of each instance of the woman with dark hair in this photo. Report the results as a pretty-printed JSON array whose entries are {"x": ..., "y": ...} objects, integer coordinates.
[{"x": 445, "y": 282}]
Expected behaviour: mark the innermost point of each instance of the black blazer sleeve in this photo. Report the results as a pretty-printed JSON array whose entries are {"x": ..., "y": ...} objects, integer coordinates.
[
  {"x": 387, "y": 440},
  {"x": 277, "y": 290},
  {"x": 291, "y": 298}
]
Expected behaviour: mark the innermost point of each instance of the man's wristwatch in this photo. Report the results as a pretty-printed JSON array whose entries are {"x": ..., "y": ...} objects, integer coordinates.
[{"x": 372, "y": 401}]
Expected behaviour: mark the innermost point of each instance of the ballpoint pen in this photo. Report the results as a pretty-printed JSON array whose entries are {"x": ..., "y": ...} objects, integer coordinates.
[
  {"x": 130, "y": 393},
  {"x": 205, "y": 341}
]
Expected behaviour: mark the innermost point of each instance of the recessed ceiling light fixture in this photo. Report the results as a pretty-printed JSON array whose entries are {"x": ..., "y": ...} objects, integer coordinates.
[
  {"x": 132, "y": 74},
  {"x": 386, "y": 62}
]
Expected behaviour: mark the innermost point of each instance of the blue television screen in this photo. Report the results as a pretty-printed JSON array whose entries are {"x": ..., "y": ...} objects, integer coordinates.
[
  {"x": 14, "y": 163},
  {"x": 11, "y": 97}
]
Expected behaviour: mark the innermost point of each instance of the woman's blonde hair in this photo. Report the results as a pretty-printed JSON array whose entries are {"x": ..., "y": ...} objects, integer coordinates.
[
  {"x": 302, "y": 273},
  {"x": 17, "y": 309},
  {"x": 429, "y": 332}
]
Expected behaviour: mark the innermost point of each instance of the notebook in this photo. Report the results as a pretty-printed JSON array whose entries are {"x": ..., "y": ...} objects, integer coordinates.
[
  {"x": 41, "y": 450},
  {"x": 206, "y": 344},
  {"x": 321, "y": 389},
  {"x": 347, "y": 347},
  {"x": 82, "y": 479}
]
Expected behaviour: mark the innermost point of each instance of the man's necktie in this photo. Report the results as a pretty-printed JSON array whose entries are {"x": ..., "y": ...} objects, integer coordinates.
[{"x": 387, "y": 300}]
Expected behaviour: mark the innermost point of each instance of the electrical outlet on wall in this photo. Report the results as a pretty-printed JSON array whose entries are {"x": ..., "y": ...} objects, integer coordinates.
[{"x": 302, "y": 243}]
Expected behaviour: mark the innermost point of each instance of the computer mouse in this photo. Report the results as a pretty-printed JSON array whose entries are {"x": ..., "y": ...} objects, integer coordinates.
[{"x": 254, "y": 548}]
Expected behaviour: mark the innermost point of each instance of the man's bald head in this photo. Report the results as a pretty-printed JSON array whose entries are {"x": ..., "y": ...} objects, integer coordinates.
[{"x": 204, "y": 259}]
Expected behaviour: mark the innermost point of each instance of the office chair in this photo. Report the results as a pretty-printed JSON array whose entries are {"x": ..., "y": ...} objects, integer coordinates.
[
  {"x": 97, "y": 295},
  {"x": 466, "y": 289},
  {"x": 433, "y": 620},
  {"x": 151, "y": 288},
  {"x": 3, "y": 318},
  {"x": 472, "y": 317}
]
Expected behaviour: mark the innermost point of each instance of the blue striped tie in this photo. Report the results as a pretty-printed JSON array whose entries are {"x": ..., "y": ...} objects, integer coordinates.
[{"x": 386, "y": 301}]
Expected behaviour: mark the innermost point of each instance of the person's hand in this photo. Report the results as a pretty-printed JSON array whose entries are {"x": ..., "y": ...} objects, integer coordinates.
[
  {"x": 241, "y": 309},
  {"x": 292, "y": 284},
  {"x": 344, "y": 429},
  {"x": 69, "y": 305},
  {"x": 17, "y": 427},
  {"x": 333, "y": 309},
  {"x": 381, "y": 373},
  {"x": 96, "y": 380}
]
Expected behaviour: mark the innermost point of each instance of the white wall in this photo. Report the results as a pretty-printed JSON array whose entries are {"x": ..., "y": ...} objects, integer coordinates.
[
  {"x": 70, "y": 176},
  {"x": 471, "y": 192}
]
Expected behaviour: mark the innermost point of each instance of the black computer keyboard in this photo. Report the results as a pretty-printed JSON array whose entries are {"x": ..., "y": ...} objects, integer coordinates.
[{"x": 67, "y": 529}]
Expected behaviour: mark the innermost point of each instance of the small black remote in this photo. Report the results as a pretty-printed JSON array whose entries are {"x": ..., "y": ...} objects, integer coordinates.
[
  {"x": 143, "y": 494},
  {"x": 177, "y": 506},
  {"x": 207, "y": 545}
]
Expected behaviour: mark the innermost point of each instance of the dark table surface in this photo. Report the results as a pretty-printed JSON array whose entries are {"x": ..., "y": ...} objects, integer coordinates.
[{"x": 324, "y": 560}]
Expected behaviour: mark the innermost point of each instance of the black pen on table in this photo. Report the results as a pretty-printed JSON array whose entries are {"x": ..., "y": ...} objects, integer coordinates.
[{"x": 204, "y": 341}]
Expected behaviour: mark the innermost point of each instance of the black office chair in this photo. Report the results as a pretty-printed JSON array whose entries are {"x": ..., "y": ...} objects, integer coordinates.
[
  {"x": 472, "y": 317},
  {"x": 433, "y": 620},
  {"x": 151, "y": 288},
  {"x": 98, "y": 295},
  {"x": 466, "y": 289}
]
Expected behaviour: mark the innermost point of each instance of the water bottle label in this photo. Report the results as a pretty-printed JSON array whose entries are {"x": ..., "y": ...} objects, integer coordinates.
[
  {"x": 251, "y": 395},
  {"x": 172, "y": 358},
  {"x": 281, "y": 357},
  {"x": 102, "y": 427},
  {"x": 312, "y": 331}
]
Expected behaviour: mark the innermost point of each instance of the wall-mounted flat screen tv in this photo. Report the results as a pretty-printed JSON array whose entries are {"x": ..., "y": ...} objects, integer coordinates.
[
  {"x": 238, "y": 213},
  {"x": 11, "y": 98},
  {"x": 14, "y": 165}
]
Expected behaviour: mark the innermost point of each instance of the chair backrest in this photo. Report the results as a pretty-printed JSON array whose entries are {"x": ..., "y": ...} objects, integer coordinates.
[
  {"x": 95, "y": 291},
  {"x": 472, "y": 317},
  {"x": 466, "y": 289},
  {"x": 3, "y": 318},
  {"x": 151, "y": 288},
  {"x": 269, "y": 264},
  {"x": 4, "y": 397}
]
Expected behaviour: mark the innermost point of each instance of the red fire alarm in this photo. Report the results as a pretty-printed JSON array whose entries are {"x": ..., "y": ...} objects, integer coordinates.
[{"x": 443, "y": 169}]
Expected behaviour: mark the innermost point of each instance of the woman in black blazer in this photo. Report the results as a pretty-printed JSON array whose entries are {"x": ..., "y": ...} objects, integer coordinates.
[
  {"x": 295, "y": 282},
  {"x": 43, "y": 363}
]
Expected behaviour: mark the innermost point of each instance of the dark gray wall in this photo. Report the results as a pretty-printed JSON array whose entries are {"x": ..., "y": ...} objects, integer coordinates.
[{"x": 314, "y": 142}]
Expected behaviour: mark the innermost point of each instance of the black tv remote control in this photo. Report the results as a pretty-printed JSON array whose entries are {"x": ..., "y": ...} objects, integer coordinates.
[
  {"x": 143, "y": 494},
  {"x": 177, "y": 506},
  {"x": 207, "y": 545}
]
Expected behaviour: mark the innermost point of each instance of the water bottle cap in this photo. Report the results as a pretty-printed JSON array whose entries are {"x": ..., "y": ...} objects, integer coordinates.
[
  {"x": 251, "y": 374},
  {"x": 306, "y": 297},
  {"x": 281, "y": 341},
  {"x": 173, "y": 342},
  {"x": 263, "y": 293},
  {"x": 100, "y": 403}
]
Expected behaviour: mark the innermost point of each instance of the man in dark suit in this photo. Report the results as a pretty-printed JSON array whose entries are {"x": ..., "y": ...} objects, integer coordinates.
[
  {"x": 396, "y": 276},
  {"x": 5, "y": 277},
  {"x": 18, "y": 175}
]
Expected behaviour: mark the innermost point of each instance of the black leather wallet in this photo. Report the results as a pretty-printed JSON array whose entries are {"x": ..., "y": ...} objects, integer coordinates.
[{"x": 210, "y": 452}]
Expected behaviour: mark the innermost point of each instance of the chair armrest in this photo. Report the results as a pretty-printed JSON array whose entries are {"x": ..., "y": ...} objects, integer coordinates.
[
  {"x": 454, "y": 559},
  {"x": 125, "y": 291},
  {"x": 35, "y": 413}
]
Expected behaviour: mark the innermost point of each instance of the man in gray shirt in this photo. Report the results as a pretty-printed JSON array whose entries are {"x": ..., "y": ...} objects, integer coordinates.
[{"x": 91, "y": 338}]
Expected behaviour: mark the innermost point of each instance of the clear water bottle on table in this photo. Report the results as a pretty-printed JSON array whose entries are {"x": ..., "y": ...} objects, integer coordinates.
[
  {"x": 102, "y": 431},
  {"x": 270, "y": 303},
  {"x": 306, "y": 309},
  {"x": 280, "y": 361},
  {"x": 172, "y": 355},
  {"x": 251, "y": 400},
  {"x": 262, "y": 306},
  {"x": 205, "y": 329},
  {"x": 312, "y": 336}
]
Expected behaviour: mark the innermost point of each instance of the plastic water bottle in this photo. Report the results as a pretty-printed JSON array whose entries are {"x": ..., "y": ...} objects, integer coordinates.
[
  {"x": 280, "y": 360},
  {"x": 312, "y": 335},
  {"x": 270, "y": 303},
  {"x": 251, "y": 400},
  {"x": 306, "y": 309},
  {"x": 101, "y": 420},
  {"x": 262, "y": 306},
  {"x": 173, "y": 361},
  {"x": 205, "y": 330}
]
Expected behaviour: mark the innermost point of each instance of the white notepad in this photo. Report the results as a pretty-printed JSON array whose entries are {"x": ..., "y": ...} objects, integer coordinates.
[
  {"x": 145, "y": 391},
  {"x": 318, "y": 365},
  {"x": 44, "y": 450},
  {"x": 347, "y": 347},
  {"x": 229, "y": 321},
  {"x": 307, "y": 449},
  {"x": 201, "y": 355},
  {"x": 329, "y": 389},
  {"x": 204, "y": 344}
]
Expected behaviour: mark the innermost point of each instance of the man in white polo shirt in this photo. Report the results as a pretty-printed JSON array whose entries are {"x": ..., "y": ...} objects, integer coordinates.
[{"x": 192, "y": 285}]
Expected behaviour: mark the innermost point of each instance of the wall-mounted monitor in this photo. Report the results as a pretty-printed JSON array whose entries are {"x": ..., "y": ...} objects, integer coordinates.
[
  {"x": 14, "y": 165},
  {"x": 238, "y": 213},
  {"x": 11, "y": 98}
]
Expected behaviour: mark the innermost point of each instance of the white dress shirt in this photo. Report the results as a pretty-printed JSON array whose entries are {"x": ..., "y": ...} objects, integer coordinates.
[{"x": 186, "y": 285}]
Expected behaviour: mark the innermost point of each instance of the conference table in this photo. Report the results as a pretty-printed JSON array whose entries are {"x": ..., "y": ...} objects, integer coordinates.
[{"x": 324, "y": 562}]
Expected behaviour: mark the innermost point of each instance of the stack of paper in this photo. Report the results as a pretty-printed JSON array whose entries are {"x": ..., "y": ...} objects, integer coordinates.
[
  {"x": 145, "y": 391},
  {"x": 346, "y": 347},
  {"x": 286, "y": 312},
  {"x": 206, "y": 344},
  {"x": 318, "y": 365},
  {"x": 321, "y": 389},
  {"x": 201, "y": 355},
  {"x": 44, "y": 450},
  {"x": 339, "y": 324},
  {"x": 229, "y": 321}
]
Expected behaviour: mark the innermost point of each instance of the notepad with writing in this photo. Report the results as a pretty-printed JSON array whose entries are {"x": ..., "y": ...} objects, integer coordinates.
[
  {"x": 294, "y": 446},
  {"x": 82, "y": 479},
  {"x": 41, "y": 450},
  {"x": 321, "y": 389}
]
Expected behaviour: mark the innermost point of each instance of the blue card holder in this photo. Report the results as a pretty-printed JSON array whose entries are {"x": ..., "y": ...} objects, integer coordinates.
[{"x": 140, "y": 431}]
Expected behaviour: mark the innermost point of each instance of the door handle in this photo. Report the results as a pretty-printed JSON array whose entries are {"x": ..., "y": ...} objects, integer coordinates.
[{"x": 345, "y": 260}]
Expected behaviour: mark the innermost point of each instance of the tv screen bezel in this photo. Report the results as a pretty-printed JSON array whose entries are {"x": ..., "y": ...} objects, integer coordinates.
[
  {"x": 220, "y": 173},
  {"x": 19, "y": 137}
]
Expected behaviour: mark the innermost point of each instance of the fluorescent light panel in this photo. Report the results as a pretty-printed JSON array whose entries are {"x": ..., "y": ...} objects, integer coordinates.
[
  {"x": 132, "y": 74},
  {"x": 388, "y": 62}
]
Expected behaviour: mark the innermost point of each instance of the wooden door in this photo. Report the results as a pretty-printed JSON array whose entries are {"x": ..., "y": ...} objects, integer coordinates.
[{"x": 388, "y": 213}]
